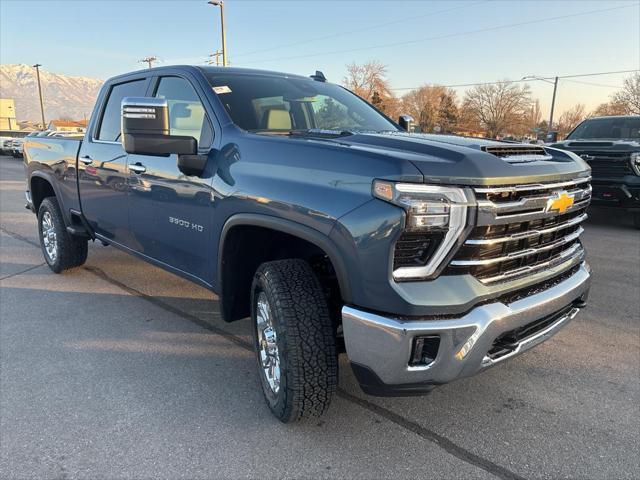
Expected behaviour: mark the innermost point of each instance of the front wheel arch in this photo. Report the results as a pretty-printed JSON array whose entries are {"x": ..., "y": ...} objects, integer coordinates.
[{"x": 244, "y": 246}]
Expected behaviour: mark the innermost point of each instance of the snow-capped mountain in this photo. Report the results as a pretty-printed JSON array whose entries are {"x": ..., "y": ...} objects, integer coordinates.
[{"x": 64, "y": 96}]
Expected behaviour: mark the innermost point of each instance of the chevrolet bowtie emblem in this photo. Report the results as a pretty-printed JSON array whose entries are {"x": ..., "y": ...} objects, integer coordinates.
[{"x": 560, "y": 203}]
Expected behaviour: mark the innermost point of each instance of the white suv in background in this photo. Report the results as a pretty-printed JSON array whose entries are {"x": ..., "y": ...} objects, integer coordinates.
[{"x": 17, "y": 147}]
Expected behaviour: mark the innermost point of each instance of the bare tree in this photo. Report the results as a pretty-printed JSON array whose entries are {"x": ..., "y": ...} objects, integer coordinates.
[
  {"x": 431, "y": 106},
  {"x": 369, "y": 81},
  {"x": 610, "y": 108},
  {"x": 629, "y": 96},
  {"x": 570, "y": 119},
  {"x": 499, "y": 106}
]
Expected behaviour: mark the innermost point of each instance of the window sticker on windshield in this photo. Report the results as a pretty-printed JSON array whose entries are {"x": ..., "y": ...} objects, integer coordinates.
[{"x": 222, "y": 89}]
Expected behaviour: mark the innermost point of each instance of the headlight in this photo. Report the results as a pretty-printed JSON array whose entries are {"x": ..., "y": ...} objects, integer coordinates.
[
  {"x": 436, "y": 219},
  {"x": 635, "y": 162}
]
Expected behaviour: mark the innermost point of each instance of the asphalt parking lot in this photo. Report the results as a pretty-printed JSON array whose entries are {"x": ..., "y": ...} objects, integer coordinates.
[{"x": 121, "y": 370}]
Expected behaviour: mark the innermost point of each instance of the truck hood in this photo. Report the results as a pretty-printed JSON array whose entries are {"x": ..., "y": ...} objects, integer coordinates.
[{"x": 462, "y": 160}]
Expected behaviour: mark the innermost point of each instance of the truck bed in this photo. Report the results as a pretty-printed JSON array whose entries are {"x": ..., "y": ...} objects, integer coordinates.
[{"x": 54, "y": 159}]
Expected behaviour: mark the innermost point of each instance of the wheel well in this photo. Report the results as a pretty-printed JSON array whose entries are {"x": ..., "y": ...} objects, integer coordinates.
[
  {"x": 40, "y": 189},
  {"x": 247, "y": 247}
]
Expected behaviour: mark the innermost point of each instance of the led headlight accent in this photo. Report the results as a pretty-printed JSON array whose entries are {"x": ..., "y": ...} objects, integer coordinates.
[
  {"x": 430, "y": 209},
  {"x": 635, "y": 162}
]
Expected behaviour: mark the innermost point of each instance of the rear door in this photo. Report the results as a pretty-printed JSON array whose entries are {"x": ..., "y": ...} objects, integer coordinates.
[
  {"x": 102, "y": 167},
  {"x": 171, "y": 213}
]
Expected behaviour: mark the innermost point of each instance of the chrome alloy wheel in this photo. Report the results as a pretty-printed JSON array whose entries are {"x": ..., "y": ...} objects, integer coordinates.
[
  {"x": 267, "y": 343},
  {"x": 49, "y": 238}
]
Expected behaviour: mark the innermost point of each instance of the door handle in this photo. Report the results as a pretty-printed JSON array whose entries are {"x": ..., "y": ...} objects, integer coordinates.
[
  {"x": 87, "y": 160},
  {"x": 137, "y": 167}
]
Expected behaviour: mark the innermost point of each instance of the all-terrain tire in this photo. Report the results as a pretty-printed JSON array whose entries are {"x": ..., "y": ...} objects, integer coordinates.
[
  {"x": 308, "y": 362},
  {"x": 70, "y": 250}
]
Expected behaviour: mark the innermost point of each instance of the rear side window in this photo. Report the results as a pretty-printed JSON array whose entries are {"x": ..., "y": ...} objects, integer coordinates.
[{"x": 110, "y": 124}]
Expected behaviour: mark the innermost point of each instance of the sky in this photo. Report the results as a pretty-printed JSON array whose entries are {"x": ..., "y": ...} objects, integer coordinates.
[{"x": 420, "y": 41}]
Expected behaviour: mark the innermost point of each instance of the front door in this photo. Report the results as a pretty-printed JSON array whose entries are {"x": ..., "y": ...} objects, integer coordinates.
[
  {"x": 170, "y": 212},
  {"x": 102, "y": 168}
]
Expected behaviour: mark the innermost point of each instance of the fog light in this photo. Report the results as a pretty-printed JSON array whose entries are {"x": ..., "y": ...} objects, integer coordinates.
[{"x": 425, "y": 350}]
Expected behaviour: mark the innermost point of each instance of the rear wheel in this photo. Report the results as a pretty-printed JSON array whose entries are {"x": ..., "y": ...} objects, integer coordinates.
[
  {"x": 636, "y": 220},
  {"x": 294, "y": 339},
  {"x": 61, "y": 250}
]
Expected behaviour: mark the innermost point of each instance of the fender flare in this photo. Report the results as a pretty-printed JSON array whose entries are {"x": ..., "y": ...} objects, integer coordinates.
[
  {"x": 54, "y": 185},
  {"x": 292, "y": 228}
]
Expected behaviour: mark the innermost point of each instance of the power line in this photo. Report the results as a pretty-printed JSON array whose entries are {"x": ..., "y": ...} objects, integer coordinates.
[
  {"x": 524, "y": 80},
  {"x": 594, "y": 84},
  {"x": 450, "y": 35},
  {"x": 359, "y": 30}
]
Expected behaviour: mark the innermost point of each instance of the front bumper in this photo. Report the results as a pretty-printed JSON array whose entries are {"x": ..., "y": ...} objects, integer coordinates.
[
  {"x": 380, "y": 347},
  {"x": 621, "y": 194}
]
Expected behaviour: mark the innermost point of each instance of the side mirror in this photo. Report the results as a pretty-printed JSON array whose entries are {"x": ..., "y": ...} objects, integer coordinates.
[
  {"x": 145, "y": 129},
  {"x": 406, "y": 122}
]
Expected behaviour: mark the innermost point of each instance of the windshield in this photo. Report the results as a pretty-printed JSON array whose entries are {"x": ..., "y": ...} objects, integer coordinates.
[
  {"x": 270, "y": 104},
  {"x": 608, "y": 128}
]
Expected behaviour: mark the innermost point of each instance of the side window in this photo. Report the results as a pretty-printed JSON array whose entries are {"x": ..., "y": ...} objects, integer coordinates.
[
  {"x": 110, "y": 124},
  {"x": 186, "y": 112}
]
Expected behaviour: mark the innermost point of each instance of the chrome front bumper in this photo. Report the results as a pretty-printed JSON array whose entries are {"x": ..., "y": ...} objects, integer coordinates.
[{"x": 380, "y": 347}]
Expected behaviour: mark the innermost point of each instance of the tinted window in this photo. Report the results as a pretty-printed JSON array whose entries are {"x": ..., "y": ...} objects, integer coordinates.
[
  {"x": 608, "y": 128},
  {"x": 264, "y": 103},
  {"x": 186, "y": 112},
  {"x": 110, "y": 125}
]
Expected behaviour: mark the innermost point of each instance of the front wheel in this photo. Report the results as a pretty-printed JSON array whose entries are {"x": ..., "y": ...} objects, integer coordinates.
[
  {"x": 636, "y": 220},
  {"x": 294, "y": 340},
  {"x": 61, "y": 250}
]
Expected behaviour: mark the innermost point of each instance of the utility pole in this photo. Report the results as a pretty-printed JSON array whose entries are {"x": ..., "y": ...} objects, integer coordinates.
[
  {"x": 553, "y": 103},
  {"x": 37, "y": 67},
  {"x": 149, "y": 60},
  {"x": 220, "y": 3},
  {"x": 553, "y": 100},
  {"x": 215, "y": 56}
]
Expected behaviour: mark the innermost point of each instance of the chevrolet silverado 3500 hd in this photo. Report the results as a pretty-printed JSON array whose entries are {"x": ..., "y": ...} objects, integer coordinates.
[{"x": 426, "y": 258}]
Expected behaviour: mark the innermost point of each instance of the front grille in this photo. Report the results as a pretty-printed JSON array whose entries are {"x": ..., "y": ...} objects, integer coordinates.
[
  {"x": 608, "y": 165},
  {"x": 518, "y": 234}
]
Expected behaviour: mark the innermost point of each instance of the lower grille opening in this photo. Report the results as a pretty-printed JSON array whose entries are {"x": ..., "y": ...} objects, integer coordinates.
[
  {"x": 414, "y": 249},
  {"x": 509, "y": 341},
  {"x": 425, "y": 350}
]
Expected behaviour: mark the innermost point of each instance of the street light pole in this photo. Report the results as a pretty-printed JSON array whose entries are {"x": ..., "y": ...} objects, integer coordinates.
[
  {"x": 220, "y": 3},
  {"x": 553, "y": 103},
  {"x": 37, "y": 67}
]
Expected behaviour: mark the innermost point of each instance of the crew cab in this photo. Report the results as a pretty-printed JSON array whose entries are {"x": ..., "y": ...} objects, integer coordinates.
[
  {"x": 426, "y": 258},
  {"x": 611, "y": 147}
]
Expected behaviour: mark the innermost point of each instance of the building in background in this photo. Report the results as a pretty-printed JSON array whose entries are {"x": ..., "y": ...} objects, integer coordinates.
[
  {"x": 8, "y": 114},
  {"x": 68, "y": 126}
]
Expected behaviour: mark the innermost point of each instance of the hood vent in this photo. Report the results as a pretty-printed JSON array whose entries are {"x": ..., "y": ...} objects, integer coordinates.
[
  {"x": 591, "y": 144},
  {"x": 518, "y": 153}
]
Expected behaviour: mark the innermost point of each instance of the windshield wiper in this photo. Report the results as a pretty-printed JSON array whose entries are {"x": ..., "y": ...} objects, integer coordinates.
[{"x": 319, "y": 132}]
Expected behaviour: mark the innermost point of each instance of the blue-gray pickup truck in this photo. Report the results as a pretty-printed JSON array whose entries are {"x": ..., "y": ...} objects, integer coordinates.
[{"x": 425, "y": 258}]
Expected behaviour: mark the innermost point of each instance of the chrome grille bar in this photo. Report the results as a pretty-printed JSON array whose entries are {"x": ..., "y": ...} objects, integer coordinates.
[
  {"x": 521, "y": 253},
  {"x": 527, "y": 234},
  {"x": 531, "y": 207},
  {"x": 567, "y": 259},
  {"x": 532, "y": 186}
]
